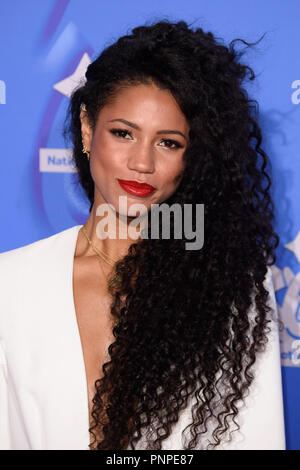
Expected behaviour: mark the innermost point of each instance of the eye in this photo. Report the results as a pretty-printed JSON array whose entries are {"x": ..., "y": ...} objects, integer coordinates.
[
  {"x": 176, "y": 145},
  {"x": 120, "y": 132}
]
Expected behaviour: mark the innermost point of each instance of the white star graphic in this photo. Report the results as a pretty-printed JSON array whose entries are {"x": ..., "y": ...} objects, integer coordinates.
[{"x": 67, "y": 85}]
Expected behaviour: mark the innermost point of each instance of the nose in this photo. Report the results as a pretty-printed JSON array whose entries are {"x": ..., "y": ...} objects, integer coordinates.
[{"x": 141, "y": 159}]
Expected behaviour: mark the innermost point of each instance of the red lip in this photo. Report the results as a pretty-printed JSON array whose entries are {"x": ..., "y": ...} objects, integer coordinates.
[
  {"x": 140, "y": 190},
  {"x": 136, "y": 184}
]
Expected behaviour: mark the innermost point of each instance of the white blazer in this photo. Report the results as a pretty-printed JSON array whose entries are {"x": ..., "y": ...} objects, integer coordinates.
[{"x": 43, "y": 389}]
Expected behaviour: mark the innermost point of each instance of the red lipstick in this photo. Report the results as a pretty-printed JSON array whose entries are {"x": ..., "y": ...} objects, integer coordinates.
[{"x": 136, "y": 188}]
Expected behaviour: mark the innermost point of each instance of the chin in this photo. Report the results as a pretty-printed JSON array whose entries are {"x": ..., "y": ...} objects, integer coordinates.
[{"x": 133, "y": 212}]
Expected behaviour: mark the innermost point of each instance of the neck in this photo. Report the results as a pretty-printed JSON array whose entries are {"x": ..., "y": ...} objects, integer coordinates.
[{"x": 110, "y": 225}]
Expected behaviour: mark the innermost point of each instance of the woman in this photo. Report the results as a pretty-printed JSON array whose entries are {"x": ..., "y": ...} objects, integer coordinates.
[{"x": 123, "y": 343}]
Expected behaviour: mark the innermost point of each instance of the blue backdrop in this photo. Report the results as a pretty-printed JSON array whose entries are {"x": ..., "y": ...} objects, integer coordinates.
[{"x": 45, "y": 49}]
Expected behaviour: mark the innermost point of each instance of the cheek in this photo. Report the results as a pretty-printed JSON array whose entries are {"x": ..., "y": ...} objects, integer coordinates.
[
  {"x": 173, "y": 173},
  {"x": 106, "y": 157},
  {"x": 178, "y": 177}
]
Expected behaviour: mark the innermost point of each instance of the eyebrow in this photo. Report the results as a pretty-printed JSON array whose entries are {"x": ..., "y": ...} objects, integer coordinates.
[{"x": 135, "y": 126}]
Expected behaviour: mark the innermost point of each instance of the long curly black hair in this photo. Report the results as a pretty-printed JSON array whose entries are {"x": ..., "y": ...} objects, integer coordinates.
[{"x": 184, "y": 326}]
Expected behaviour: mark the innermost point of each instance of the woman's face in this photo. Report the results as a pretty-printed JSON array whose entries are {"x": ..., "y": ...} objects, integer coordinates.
[{"x": 141, "y": 136}]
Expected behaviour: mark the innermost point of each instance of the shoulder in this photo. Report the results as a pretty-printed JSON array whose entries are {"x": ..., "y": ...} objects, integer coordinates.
[
  {"x": 25, "y": 271},
  {"x": 273, "y": 314},
  {"x": 35, "y": 251},
  {"x": 268, "y": 281},
  {"x": 262, "y": 417}
]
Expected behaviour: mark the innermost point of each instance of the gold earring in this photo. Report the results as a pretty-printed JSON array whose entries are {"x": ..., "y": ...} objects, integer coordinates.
[
  {"x": 85, "y": 151},
  {"x": 83, "y": 111}
]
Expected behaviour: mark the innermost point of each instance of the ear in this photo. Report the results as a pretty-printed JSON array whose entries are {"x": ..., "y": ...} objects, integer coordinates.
[{"x": 86, "y": 132}]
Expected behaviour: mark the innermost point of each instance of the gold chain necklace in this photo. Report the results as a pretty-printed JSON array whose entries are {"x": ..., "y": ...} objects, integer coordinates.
[
  {"x": 100, "y": 253},
  {"x": 116, "y": 280}
]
